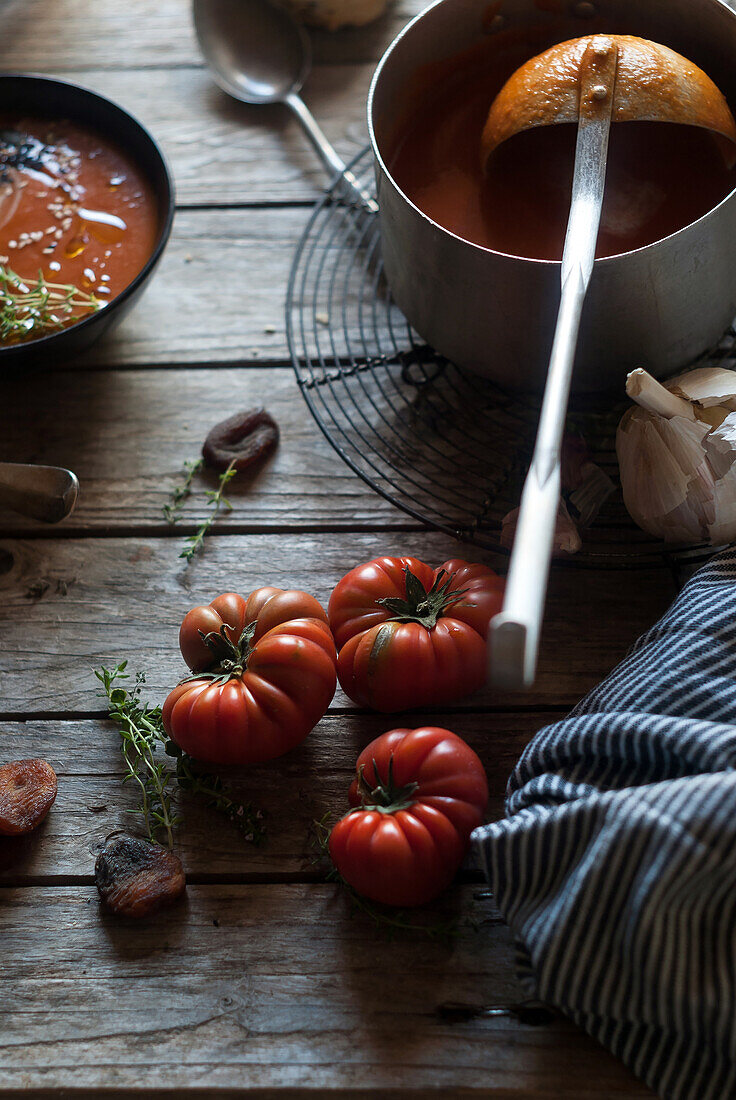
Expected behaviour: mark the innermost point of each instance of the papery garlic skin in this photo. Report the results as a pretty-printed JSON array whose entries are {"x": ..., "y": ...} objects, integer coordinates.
[
  {"x": 566, "y": 537},
  {"x": 585, "y": 486},
  {"x": 708, "y": 386},
  {"x": 677, "y": 456}
]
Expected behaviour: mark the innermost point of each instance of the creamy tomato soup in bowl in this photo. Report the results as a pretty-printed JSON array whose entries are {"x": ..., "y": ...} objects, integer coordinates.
[{"x": 86, "y": 205}]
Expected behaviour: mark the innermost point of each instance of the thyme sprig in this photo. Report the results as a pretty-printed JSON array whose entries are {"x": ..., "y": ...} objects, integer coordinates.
[
  {"x": 385, "y": 918},
  {"x": 247, "y": 820},
  {"x": 216, "y": 500},
  {"x": 29, "y": 309},
  {"x": 173, "y": 508},
  {"x": 139, "y": 727},
  {"x": 142, "y": 738}
]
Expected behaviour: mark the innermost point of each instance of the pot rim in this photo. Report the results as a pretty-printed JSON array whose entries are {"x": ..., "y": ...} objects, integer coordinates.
[{"x": 602, "y": 261}]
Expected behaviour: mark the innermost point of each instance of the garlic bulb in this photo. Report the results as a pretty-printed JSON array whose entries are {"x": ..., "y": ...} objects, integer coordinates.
[{"x": 677, "y": 455}]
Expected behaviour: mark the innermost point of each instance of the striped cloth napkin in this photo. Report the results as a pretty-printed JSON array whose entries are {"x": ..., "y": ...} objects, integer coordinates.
[{"x": 616, "y": 866}]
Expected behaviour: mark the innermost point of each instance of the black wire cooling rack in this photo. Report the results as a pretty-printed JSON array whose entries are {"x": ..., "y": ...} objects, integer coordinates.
[{"x": 444, "y": 445}]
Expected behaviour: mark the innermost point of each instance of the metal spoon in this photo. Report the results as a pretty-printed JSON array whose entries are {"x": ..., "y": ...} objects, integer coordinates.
[
  {"x": 258, "y": 54},
  {"x": 48, "y": 493}
]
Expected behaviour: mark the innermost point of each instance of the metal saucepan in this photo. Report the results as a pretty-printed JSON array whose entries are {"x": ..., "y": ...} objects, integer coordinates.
[{"x": 657, "y": 307}]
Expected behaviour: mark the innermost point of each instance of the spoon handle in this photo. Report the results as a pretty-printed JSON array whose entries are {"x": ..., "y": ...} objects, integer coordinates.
[
  {"x": 47, "y": 493},
  {"x": 514, "y": 634},
  {"x": 330, "y": 158}
]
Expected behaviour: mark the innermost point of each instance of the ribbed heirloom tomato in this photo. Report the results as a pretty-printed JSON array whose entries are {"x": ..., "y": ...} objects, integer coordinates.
[
  {"x": 419, "y": 794},
  {"x": 408, "y": 635},
  {"x": 265, "y": 675}
]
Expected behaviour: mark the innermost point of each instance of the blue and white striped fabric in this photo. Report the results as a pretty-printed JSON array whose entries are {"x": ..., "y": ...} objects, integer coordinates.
[{"x": 616, "y": 866}]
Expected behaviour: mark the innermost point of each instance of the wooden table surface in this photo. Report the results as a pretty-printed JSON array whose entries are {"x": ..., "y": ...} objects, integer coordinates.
[{"x": 264, "y": 981}]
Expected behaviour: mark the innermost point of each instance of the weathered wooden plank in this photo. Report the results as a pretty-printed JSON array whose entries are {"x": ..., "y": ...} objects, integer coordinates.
[
  {"x": 148, "y": 423},
  {"x": 219, "y": 289},
  {"x": 74, "y": 34},
  {"x": 270, "y": 987},
  {"x": 107, "y": 599},
  {"x": 219, "y": 293},
  {"x": 222, "y": 152},
  {"x": 128, "y": 434},
  {"x": 293, "y": 792}
]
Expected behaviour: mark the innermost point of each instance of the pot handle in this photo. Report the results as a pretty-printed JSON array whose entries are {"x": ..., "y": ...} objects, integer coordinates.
[{"x": 514, "y": 633}]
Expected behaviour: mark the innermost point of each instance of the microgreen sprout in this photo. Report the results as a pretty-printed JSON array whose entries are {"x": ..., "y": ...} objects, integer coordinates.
[{"x": 29, "y": 309}]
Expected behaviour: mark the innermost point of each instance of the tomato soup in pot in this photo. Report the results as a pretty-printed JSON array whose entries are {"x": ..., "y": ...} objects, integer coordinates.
[
  {"x": 480, "y": 284},
  {"x": 660, "y": 176}
]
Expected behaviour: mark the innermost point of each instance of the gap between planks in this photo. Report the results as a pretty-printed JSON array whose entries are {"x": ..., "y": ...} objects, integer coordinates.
[
  {"x": 540, "y": 709},
  {"x": 225, "y": 878}
]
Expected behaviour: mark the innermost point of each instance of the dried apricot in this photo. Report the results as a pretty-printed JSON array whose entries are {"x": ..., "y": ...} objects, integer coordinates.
[
  {"x": 27, "y": 793},
  {"x": 135, "y": 877},
  {"x": 241, "y": 440}
]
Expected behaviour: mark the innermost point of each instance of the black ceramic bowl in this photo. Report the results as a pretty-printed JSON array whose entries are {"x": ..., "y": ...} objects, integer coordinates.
[{"x": 57, "y": 99}]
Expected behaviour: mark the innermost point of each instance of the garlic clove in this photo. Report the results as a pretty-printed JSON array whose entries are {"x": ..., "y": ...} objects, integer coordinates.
[
  {"x": 720, "y": 445},
  {"x": 566, "y": 539},
  {"x": 714, "y": 416},
  {"x": 664, "y": 475},
  {"x": 684, "y": 441},
  {"x": 723, "y": 527},
  {"x": 593, "y": 490}
]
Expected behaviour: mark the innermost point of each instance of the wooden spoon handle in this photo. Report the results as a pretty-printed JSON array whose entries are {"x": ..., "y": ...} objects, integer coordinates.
[{"x": 514, "y": 635}]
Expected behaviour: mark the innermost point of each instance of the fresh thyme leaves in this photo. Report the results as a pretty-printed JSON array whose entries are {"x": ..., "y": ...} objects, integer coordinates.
[
  {"x": 247, "y": 821},
  {"x": 140, "y": 732},
  {"x": 386, "y": 919},
  {"x": 172, "y": 510},
  {"x": 29, "y": 309},
  {"x": 216, "y": 500},
  {"x": 232, "y": 445},
  {"x": 142, "y": 736}
]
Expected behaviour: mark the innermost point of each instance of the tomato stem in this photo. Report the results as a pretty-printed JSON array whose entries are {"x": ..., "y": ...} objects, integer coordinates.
[
  {"x": 385, "y": 797},
  {"x": 421, "y": 606},
  {"x": 231, "y": 658}
]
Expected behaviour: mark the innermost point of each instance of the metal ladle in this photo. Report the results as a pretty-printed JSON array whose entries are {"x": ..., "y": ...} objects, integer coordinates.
[
  {"x": 258, "y": 54},
  {"x": 591, "y": 81}
]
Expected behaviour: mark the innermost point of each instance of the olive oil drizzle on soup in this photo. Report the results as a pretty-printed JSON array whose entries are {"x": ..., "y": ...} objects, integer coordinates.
[{"x": 73, "y": 207}]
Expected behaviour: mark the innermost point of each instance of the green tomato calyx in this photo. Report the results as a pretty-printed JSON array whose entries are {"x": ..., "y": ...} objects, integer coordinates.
[
  {"x": 421, "y": 606},
  {"x": 230, "y": 659},
  {"x": 384, "y": 798}
]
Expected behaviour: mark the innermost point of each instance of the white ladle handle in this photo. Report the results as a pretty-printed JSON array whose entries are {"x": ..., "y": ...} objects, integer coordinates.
[
  {"x": 514, "y": 634},
  {"x": 329, "y": 155}
]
